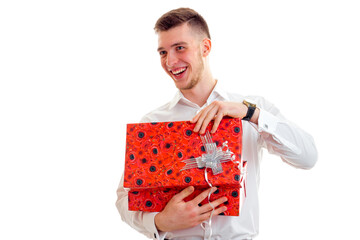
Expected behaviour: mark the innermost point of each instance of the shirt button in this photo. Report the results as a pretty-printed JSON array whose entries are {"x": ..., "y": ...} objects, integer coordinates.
[{"x": 266, "y": 126}]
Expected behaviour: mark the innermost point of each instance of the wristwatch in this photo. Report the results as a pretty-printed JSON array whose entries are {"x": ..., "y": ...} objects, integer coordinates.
[{"x": 251, "y": 109}]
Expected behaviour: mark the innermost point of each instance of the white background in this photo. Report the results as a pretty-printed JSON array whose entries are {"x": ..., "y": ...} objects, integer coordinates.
[{"x": 73, "y": 73}]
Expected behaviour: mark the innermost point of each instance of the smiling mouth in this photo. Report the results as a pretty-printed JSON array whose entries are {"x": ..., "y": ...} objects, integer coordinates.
[{"x": 178, "y": 71}]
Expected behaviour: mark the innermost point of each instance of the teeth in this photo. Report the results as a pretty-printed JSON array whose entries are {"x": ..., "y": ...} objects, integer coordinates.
[{"x": 178, "y": 71}]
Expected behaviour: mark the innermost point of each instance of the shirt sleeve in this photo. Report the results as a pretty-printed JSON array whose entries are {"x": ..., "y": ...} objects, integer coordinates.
[
  {"x": 142, "y": 222},
  {"x": 282, "y": 137}
]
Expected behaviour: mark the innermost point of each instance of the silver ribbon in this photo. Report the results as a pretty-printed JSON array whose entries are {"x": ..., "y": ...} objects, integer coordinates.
[{"x": 213, "y": 156}]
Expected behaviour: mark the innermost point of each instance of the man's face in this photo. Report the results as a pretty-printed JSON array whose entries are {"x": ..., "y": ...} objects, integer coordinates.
[{"x": 180, "y": 55}]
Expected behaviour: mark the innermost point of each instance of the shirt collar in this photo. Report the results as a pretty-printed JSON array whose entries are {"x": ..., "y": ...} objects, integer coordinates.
[
  {"x": 176, "y": 99},
  {"x": 217, "y": 92}
]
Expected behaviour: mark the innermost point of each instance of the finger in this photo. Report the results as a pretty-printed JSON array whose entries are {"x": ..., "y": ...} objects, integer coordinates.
[
  {"x": 207, "y": 215},
  {"x": 219, "y": 210},
  {"x": 183, "y": 194},
  {"x": 207, "y": 207},
  {"x": 199, "y": 198},
  {"x": 217, "y": 121},
  {"x": 201, "y": 118},
  {"x": 194, "y": 119},
  {"x": 209, "y": 116}
]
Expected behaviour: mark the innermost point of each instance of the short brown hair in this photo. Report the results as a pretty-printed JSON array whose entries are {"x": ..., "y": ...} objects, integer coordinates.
[{"x": 179, "y": 16}]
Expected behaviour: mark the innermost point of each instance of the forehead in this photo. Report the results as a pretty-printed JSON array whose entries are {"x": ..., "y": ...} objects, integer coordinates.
[{"x": 182, "y": 33}]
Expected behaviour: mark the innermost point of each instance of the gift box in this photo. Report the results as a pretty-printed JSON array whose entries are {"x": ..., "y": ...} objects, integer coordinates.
[{"x": 163, "y": 158}]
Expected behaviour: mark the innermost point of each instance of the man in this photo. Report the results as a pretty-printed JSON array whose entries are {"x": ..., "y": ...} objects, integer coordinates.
[{"x": 184, "y": 45}]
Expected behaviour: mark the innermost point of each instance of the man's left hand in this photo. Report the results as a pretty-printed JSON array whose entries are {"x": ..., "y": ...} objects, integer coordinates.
[{"x": 216, "y": 111}]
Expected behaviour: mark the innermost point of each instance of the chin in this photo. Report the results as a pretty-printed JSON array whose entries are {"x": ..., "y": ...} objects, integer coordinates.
[{"x": 188, "y": 86}]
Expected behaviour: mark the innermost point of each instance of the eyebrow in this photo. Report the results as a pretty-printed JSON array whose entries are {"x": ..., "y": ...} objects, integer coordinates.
[{"x": 174, "y": 45}]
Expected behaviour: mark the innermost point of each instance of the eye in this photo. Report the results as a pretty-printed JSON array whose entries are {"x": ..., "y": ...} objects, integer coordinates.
[
  {"x": 162, "y": 53},
  {"x": 180, "y": 48}
]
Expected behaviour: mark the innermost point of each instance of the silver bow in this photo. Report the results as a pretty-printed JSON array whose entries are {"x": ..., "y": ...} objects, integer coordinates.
[{"x": 213, "y": 156}]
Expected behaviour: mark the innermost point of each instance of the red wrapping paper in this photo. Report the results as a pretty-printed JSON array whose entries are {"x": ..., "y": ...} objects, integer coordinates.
[{"x": 153, "y": 163}]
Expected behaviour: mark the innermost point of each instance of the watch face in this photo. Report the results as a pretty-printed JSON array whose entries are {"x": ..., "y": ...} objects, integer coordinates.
[
  {"x": 253, "y": 105},
  {"x": 249, "y": 103}
]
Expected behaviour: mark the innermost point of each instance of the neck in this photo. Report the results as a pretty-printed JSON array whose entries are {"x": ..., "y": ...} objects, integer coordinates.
[{"x": 201, "y": 91}]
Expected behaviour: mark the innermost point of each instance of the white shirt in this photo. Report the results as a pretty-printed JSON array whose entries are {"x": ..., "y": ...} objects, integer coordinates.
[{"x": 273, "y": 132}]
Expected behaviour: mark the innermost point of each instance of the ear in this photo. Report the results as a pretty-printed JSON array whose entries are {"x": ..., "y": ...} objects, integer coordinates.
[{"x": 206, "y": 47}]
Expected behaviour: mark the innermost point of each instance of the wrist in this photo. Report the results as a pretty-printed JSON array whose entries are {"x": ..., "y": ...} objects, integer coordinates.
[
  {"x": 250, "y": 110},
  {"x": 158, "y": 222},
  {"x": 255, "y": 116}
]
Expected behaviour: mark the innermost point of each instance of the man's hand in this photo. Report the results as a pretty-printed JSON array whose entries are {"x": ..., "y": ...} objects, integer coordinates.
[
  {"x": 217, "y": 110},
  {"x": 179, "y": 214}
]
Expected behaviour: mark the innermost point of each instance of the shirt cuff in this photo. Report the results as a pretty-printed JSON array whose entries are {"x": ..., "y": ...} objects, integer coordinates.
[
  {"x": 268, "y": 126},
  {"x": 267, "y": 122},
  {"x": 149, "y": 224}
]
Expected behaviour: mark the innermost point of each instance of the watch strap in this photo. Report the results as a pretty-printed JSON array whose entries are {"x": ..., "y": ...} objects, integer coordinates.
[{"x": 249, "y": 113}]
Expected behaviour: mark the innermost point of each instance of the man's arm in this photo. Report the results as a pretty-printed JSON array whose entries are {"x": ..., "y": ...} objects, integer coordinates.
[
  {"x": 177, "y": 214},
  {"x": 278, "y": 135},
  {"x": 217, "y": 110},
  {"x": 142, "y": 222}
]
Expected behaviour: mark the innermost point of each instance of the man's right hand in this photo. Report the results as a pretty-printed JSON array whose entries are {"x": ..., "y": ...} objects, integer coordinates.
[{"x": 179, "y": 214}]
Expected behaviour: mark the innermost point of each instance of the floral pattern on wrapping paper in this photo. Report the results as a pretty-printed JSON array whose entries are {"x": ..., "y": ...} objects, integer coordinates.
[{"x": 154, "y": 152}]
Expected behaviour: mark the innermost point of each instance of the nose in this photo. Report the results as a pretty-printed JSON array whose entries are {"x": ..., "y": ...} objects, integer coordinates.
[{"x": 171, "y": 59}]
